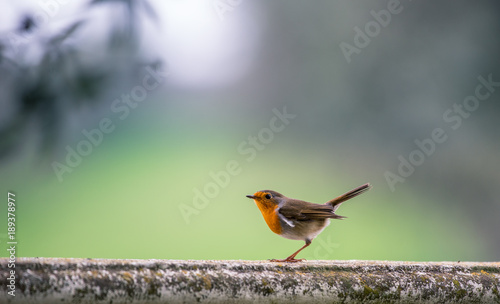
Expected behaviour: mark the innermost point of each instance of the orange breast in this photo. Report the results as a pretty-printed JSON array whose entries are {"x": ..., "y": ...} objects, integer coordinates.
[{"x": 270, "y": 215}]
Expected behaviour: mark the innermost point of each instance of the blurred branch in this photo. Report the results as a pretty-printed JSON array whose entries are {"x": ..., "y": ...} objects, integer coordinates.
[{"x": 43, "y": 92}]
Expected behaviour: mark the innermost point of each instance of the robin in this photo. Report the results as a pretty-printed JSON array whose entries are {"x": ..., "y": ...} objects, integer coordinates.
[{"x": 299, "y": 220}]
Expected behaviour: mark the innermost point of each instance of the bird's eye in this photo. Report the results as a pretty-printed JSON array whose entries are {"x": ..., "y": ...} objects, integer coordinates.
[{"x": 267, "y": 196}]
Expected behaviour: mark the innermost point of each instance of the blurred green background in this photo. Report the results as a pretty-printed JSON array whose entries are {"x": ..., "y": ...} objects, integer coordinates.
[{"x": 229, "y": 64}]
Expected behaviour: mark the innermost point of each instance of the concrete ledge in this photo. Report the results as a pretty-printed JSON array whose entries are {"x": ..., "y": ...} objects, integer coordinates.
[{"x": 54, "y": 280}]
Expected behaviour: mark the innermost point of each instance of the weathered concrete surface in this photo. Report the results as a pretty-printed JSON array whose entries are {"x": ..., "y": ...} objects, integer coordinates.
[{"x": 52, "y": 280}]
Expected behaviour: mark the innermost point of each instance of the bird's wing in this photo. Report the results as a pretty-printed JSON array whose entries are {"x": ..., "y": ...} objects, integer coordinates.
[{"x": 304, "y": 211}]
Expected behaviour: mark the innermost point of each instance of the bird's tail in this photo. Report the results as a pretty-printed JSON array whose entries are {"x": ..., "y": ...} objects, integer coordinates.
[{"x": 335, "y": 203}]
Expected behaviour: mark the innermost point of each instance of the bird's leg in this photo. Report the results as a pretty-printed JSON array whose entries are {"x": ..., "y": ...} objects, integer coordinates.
[{"x": 292, "y": 259}]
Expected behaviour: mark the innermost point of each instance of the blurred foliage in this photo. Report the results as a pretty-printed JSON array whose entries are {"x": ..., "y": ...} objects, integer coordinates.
[{"x": 41, "y": 92}]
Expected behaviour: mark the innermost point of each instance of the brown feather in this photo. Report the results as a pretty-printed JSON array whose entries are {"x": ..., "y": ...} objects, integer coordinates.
[{"x": 304, "y": 211}]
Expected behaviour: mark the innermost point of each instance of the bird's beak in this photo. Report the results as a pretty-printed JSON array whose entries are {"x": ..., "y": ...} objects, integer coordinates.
[{"x": 251, "y": 196}]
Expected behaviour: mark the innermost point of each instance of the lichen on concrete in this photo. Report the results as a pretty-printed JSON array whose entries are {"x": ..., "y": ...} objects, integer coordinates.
[{"x": 51, "y": 280}]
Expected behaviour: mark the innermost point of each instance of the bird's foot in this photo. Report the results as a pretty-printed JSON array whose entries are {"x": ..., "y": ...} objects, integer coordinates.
[{"x": 287, "y": 260}]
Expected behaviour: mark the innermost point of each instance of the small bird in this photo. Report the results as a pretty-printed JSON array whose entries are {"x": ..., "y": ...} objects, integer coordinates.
[{"x": 299, "y": 220}]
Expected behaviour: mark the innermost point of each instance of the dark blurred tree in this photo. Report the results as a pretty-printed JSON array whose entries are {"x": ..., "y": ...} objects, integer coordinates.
[{"x": 40, "y": 94}]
